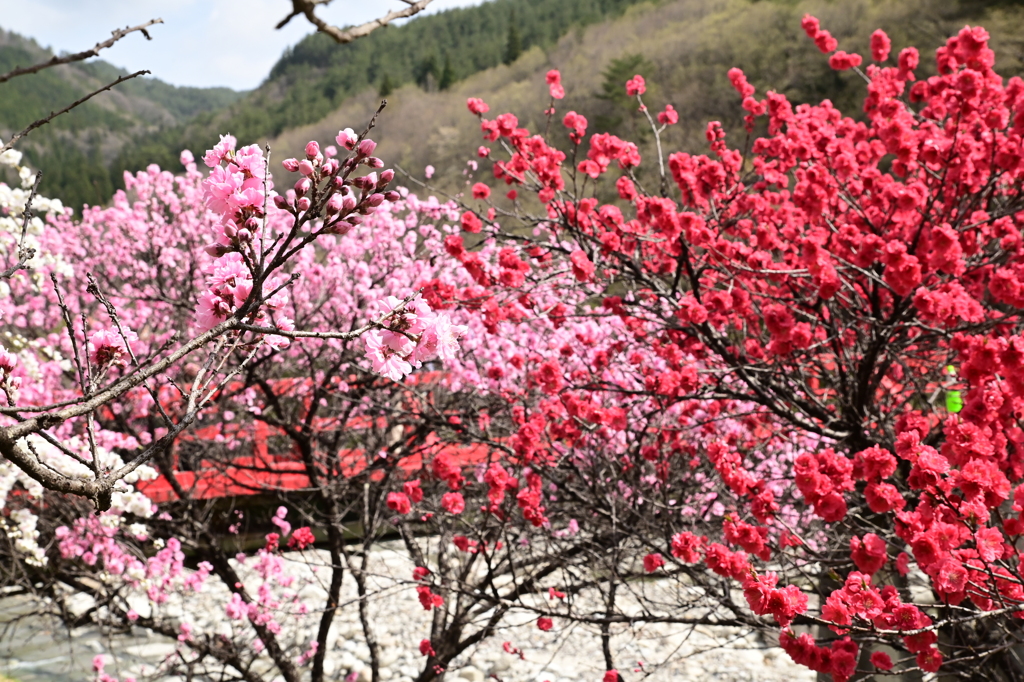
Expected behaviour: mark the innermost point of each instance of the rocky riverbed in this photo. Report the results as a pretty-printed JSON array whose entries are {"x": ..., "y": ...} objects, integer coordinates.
[{"x": 35, "y": 650}]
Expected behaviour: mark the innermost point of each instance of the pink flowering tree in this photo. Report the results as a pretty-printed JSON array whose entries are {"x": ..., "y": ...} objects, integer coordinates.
[
  {"x": 188, "y": 298},
  {"x": 397, "y": 433},
  {"x": 824, "y": 321}
]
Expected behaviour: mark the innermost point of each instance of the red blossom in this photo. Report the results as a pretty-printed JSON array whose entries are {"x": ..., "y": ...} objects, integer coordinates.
[
  {"x": 636, "y": 86},
  {"x": 399, "y": 502},
  {"x": 652, "y": 562},
  {"x": 301, "y": 538}
]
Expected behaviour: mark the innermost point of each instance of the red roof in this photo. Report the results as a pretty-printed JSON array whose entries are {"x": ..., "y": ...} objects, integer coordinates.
[{"x": 263, "y": 472}]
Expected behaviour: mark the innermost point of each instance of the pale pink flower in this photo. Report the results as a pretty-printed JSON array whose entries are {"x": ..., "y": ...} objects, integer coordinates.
[
  {"x": 383, "y": 359},
  {"x": 214, "y": 156},
  {"x": 347, "y": 138},
  {"x": 106, "y": 347}
]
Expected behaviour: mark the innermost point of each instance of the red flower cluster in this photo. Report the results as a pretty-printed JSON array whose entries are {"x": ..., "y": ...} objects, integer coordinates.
[
  {"x": 814, "y": 291},
  {"x": 301, "y": 538}
]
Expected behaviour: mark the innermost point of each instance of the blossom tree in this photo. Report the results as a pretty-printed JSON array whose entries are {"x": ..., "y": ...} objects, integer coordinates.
[
  {"x": 835, "y": 308},
  {"x": 789, "y": 371},
  {"x": 100, "y": 386},
  {"x": 320, "y": 407}
]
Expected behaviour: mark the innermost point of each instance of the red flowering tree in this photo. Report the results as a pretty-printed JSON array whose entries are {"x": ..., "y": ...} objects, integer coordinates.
[{"x": 825, "y": 319}]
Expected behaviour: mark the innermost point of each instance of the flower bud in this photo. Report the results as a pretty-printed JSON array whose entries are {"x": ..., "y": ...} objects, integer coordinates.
[
  {"x": 290, "y": 165},
  {"x": 252, "y": 224},
  {"x": 305, "y": 167},
  {"x": 329, "y": 167},
  {"x": 335, "y": 204},
  {"x": 392, "y": 196},
  {"x": 386, "y": 177},
  {"x": 348, "y": 203},
  {"x": 330, "y": 151},
  {"x": 366, "y": 147},
  {"x": 347, "y": 138},
  {"x": 338, "y": 183},
  {"x": 370, "y": 181},
  {"x": 304, "y": 204},
  {"x": 303, "y": 186},
  {"x": 312, "y": 149},
  {"x": 374, "y": 162},
  {"x": 244, "y": 235},
  {"x": 280, "y": 201},
  {"x": 375, "y": 199},
  {"x": 341, "y": 227},
  {"x": 355, "y": 219},
  {"x": 230, "y": 231},
  {"x": 215, "y": 250}
]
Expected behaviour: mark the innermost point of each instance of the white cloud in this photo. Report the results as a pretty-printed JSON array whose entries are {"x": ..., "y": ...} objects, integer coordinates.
[{"x": 218, "y": 42}]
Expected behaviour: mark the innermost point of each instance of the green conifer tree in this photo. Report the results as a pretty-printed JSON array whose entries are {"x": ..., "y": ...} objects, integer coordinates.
[
  {"x": 447, "y": 75},
  {"x": 514, "y": 45}
]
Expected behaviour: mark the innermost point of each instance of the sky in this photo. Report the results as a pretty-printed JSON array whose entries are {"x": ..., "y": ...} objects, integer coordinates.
[{"x": 201, "y": 43}]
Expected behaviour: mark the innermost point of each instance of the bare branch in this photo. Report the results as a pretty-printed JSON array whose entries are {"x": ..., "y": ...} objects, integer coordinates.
[
  {"x": 24, "y": 255},
  {"x": 86, "y": 54},
  {"x": 308, "y": 8},
  {"x": 43, "y": 121}
]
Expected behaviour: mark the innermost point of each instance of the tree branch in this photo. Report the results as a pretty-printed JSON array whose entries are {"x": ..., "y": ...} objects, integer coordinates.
[
  {"x": 308, "y": 8},
  {"x": 43, "y": 121},
  {"x": 80, "y": 56}
]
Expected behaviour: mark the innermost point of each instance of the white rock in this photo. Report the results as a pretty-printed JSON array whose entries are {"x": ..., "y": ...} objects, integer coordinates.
[
  {"x": 501, "y": 663},
  {"x": 472, "y": 674}
]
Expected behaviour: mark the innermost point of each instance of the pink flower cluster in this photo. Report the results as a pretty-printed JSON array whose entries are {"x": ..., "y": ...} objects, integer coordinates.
[{"x": 410, "y": 335}]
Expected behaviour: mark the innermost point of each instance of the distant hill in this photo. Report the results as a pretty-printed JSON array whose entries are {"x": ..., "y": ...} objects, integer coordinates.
[
  {"x": 75, "y": 152},
  {"x": 500, "y": 51},
  {"x": 433, "y": 52},
  {"x": 684, "y": 48}
]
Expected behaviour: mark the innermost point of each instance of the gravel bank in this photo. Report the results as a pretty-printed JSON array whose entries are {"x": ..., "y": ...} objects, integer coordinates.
[{"x": 35, "y": 650}]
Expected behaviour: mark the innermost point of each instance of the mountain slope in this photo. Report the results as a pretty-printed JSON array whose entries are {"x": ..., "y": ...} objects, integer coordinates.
[
  {"x": 684, "y": 48},
  {"x": 76, "y": 149},
  {"x": 316, "y": 76}
]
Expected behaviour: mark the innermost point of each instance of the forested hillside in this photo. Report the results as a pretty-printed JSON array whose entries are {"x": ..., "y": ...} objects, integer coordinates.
[
  {"x": 432, "y": 52},
  {"x": 76, "y": 151},
  {"x": 684, "y": 48},
  {"x": 498, "y": 50}
]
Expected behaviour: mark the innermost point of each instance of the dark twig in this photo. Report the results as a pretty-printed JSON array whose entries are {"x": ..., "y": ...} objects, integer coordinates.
[
  {"x": 43, "y": 121},
  {"x": 24, "y": 255},
  {"x": 308, "y": 8}
]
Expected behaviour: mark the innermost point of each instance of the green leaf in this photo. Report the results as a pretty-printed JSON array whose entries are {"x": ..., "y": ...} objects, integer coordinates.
[{"x": 954, "y": 401}]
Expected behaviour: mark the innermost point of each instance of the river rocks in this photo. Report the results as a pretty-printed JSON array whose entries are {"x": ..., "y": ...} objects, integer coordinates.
[
  {"x": 567, "y": 653},
  {"x": 471, "y": 674}
]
